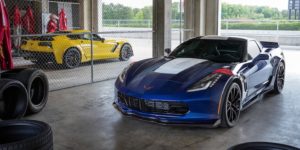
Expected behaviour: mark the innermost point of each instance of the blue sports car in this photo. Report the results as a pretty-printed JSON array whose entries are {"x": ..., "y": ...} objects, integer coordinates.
[{"x": 205, "y": 81}]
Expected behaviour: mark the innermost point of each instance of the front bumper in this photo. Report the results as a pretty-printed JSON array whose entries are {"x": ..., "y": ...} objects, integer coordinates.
[{"x": 191, "y": 118}]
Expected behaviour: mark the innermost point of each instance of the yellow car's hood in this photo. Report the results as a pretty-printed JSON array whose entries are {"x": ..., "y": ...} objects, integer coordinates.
[{"x": 115, "y": 41}]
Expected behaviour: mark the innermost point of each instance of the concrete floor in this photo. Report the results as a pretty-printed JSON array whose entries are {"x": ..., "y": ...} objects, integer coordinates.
[{"x": 83, "y": 118}]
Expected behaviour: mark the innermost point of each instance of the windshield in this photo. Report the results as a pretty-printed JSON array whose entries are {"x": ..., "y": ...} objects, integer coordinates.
[{"x": 213, "y": 50}]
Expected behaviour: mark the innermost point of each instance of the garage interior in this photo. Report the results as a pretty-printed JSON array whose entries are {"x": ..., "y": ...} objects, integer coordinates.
[{"x": 80, "y": 109}]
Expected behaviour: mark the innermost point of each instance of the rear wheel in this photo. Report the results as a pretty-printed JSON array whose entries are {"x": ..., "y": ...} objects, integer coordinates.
[
  {"x": 280, "y": 77},
  {"x": 72, "y": 58},
  {"x": 231, "y": 106},
  {"x": 126, "y": 52}
]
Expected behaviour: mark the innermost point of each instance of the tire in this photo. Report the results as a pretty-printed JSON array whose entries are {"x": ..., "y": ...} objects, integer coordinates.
[
  {"x": 72, "y": 58},
  {"x": 231, "y": 106},
  {"x": 36, "y": 83},
  {"x": 280, "y": 77},
  {"x": 25, "y": 135},
  {"x": 13, "y": 99},
  {"x": 262, "y": 146},
  {"x": 126, "y": 52}
]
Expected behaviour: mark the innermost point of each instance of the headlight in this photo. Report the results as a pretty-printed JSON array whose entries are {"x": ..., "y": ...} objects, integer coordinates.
[
  {"x": 210, "y": 80},
  {"x": 122, "y": 76}
]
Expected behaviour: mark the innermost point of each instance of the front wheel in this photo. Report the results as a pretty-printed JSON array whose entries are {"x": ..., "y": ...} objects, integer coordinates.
[
  {"x": 126, "y": 52},
  {"x": 231, "y": 106},
  {"x": 72, "y": 58}
]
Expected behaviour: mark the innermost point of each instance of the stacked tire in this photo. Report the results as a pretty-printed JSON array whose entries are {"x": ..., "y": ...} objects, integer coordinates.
[
  {"x": 262, "y": 146},
  {"x": 25, "y": 135},
  {"x": 22, "y": 91},
  {"x": 13, "y": 99}
]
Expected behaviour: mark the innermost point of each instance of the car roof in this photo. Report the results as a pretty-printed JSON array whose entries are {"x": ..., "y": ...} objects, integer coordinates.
[
  {"x": 72, "y": 31},
  {"x": 216, "y": 37},
  {"x": 79, "y": 31}
]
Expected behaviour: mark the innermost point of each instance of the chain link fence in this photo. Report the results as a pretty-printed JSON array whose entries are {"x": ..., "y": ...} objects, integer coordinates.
[{"x": 69, "y": 42}]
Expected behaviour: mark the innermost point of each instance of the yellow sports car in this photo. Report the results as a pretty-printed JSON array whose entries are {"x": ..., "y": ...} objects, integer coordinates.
[{"x": 74, "y": 47}]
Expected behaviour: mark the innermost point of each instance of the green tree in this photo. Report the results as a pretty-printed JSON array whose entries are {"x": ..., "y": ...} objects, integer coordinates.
[
  {"x": 139, "y": 15},
  {"x": 117, "y": 11},
  {"x": 234, "y": 11},
  {"x": 175, "y": 11},
  {"x": 147, "y": 12}
]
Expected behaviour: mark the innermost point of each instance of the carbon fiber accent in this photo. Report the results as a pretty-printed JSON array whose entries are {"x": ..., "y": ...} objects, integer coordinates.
[{"x": 151, "y": 106}]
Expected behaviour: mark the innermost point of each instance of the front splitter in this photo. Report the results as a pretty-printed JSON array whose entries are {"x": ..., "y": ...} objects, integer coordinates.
[{"x": 167, "y": 123}]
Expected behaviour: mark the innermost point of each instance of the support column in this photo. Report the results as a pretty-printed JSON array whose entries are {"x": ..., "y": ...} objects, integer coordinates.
[
  {"x": 85, "y": 14},
  {"x": 45, "y": 6},
  {"x": 201, "y": 17},
  {"x": 189, "y": 17},
  {"x": 97, "y": 15},
  {"x": 39, "y": 9},
  {"x": 161, "y": 26},
  {"x": 213, "y": 14}
]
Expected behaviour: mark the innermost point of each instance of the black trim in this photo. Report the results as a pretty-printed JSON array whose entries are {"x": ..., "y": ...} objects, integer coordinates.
[
  {"x": 151, "y": 106},
  {"x": 115, "y": 48},
  {"x": 157, "y": 121},
  {"x": 269, "y": 44},
  {"x": 47, "y": 56}
]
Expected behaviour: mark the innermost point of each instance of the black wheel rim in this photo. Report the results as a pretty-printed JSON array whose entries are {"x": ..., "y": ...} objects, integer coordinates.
[
  {"x": 126, "y": 52},
  {"x": 72, "y": 58},
  {"x": 280, "y": 77},
  {"x": 233, "y": 100}
]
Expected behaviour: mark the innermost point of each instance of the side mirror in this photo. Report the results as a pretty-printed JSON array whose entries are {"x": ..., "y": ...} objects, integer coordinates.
[
  {"x": 262, "y": 57},
  {"x": 168, "y": 50}
]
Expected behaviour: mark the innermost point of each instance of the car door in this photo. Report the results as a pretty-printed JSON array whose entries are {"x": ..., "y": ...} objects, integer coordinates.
[
  {"x": 102, "y": 48},
  {"x": 85, "y": 43},
  {"x": 258, "y": 70}
]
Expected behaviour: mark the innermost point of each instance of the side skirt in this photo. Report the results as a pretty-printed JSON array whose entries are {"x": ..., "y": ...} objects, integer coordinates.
[{"x": 255, "y": 98}]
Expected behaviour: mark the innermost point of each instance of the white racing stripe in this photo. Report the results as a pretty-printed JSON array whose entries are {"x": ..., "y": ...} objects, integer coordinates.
[{"x": 178, "y": 65}]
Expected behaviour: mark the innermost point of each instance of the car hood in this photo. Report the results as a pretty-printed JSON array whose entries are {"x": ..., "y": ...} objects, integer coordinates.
[
  {"x": 169, "y": 74},
  {"x": 115, "y": 41}
]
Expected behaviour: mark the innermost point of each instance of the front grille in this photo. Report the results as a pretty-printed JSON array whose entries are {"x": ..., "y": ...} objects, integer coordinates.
[{"x": 150, "y": 106}]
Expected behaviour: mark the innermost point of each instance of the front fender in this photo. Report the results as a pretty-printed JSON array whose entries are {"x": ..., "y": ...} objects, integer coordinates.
[{"x": 223, "y": 89}]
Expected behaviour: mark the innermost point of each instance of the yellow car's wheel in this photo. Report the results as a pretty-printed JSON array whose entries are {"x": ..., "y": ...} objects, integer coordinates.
[
  {"x": 72, "y": 58},
  {"x": 126, "y": 52}
]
